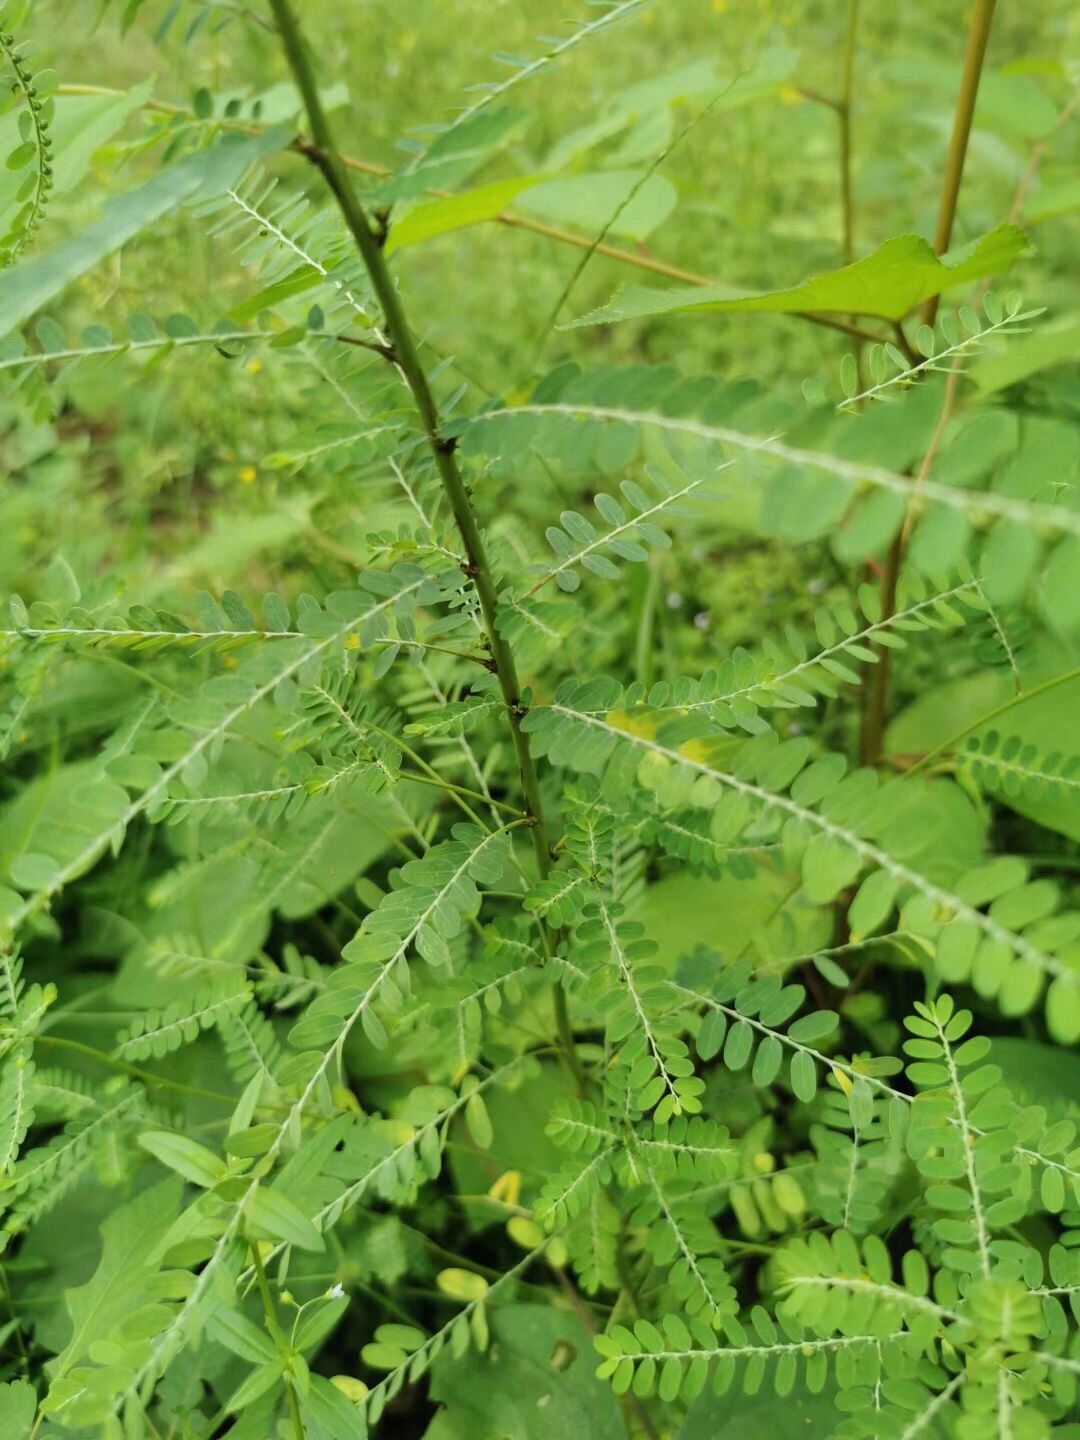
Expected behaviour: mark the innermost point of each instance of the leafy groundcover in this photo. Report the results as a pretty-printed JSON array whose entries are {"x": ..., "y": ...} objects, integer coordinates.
[{"x": 538, "y": 828}]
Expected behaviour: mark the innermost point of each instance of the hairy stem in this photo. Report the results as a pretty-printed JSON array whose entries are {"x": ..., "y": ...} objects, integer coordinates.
[
  {"x": 324, "y": 155},
  {"x": 873, "y": 719}
]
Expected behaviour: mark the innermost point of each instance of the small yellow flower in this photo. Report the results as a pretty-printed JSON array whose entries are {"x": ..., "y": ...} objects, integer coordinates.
[
  {"x": 507, "y": 1188},
  {"x": 254, "y": 365},
  {"x": 248, "y": 475},
  {"x": 352, "y": 641},
  {"x": 788, "y": 95},
  {"x": 719, "y": 6}
]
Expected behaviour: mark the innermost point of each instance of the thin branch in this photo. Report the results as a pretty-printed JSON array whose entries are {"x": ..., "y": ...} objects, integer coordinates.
[
  {"x": 324, "y": 155},
  {"x": 508, "y": 218},
  {"x": 978, "y": 35},
  {"x": 843, "y": 110},
  {"x": 876, "y": 689}
]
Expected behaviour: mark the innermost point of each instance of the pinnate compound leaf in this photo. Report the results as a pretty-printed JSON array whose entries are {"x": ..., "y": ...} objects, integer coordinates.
[{"x": 204, "y": 174}]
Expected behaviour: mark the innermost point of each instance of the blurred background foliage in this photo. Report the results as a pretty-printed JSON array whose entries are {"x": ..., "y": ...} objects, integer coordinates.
[{"x": 161, "y": 479}]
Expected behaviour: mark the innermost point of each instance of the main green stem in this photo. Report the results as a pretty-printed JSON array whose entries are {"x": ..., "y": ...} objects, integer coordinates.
[
  {"x": 277, "y": 1335},
  {"x": 978, "y": 36},
  {"x": 324, "y": 154}
]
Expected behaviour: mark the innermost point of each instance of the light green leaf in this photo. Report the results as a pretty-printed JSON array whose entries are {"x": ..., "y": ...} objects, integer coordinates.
[
  {"x": 24, "y": 291},
  {"x": 478, "y": 1122},
  {"x": 1063, "y": 1010},
  {"x": 80, "y": 126},
  {"x": 455, "y": 212},
  {"x": 330, "y": 1414},
  {"x": 535, "y": 1382},
  {"x": 18, "y": 1403},
  {"x": 803, "y": 1077},
  {"x": 590, "y": 201},
  {"x": 256, "y": 1384},
  {"x": 1042, "y": 350},
  {"x": 237, "y": 1333},
  {"x": 899, "y": 275},
  {"x": 461, "y": 1284},
  {"x": 811, "y": 1028},
  {"x": 187, "y": 1157},
  {"x": 1012, "y": 103},
  {"x": 872, "y": 903},
  {"x": 131, "y": 1238},
  {"x": 317, "y": 1321},
  {"x": 282, "y": 1220},
  {"x": 296, "y": 282}
]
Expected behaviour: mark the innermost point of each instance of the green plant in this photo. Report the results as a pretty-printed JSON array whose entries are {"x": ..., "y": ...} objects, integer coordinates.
[{"x": 394, "y": 998}]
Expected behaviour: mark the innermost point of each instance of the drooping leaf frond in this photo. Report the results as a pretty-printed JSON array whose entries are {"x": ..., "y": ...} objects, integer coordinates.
[
  {"x": 838, "y": 823},
  {"x": 595, "y": 404}
]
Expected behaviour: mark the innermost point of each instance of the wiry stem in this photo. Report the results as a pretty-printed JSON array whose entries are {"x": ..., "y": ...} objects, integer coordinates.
[
  {"x": 843, "y": 110},
  {"x": 323, "y": 153},
  {"x": 873, "y": 726},
  {"x": 978, "y": 35}
]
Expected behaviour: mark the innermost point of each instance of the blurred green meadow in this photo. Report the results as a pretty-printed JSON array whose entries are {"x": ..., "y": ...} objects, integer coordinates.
[{"x": 163, "y": 482}]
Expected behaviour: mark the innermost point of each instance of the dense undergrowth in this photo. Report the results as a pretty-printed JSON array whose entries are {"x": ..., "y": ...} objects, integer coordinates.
[{"x": 540, "y": 796}]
